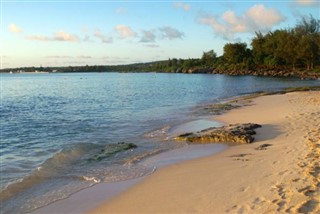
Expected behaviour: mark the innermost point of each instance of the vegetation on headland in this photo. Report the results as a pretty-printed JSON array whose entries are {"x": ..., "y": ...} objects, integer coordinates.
[{"x": 285, "y": 52}]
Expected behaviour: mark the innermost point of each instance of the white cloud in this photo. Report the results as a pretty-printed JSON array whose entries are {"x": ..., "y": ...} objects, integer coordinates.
[
  {"x": 38, "y": 38},
  {"x": 256, "y": 18},
  {"x": 236, "y": 24},
  {"x": 307, "y": 2},
  {"x": 148, "y": 36},
  {"x": 59, "y": 36},
  {"x": 166, "y": 32},
  {"x": 125, "y": 31},
  {"x": 260, "y": 17},
  {"x": 183, "y": 6},
  {"x": 171, "y": 33},
  {"x": 64, "y": 36},
  {"x": 103, "y": 38},
  {"x": 14, "y": 28}
]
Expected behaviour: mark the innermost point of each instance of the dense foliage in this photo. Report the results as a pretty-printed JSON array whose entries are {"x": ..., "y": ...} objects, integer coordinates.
[
  {"x": 290, "y": 49},
  {"x": 297, "y": 47}
]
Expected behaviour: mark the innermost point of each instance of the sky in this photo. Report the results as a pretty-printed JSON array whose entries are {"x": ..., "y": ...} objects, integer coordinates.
[{"x": 100, "y": 32}]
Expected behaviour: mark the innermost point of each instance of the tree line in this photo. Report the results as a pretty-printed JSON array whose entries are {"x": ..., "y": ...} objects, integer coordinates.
[
  {"x": 296, "y": 48},
  {"x": 292, "y": 49}
]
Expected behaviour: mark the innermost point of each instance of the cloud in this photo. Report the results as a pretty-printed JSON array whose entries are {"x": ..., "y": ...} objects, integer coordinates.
[
  {"x": 171, "y": 33},
  {"x": 14, "y": 28},
  {"x": 103, "y": 38},
  {"x": 38, "y": 38},
  {"x": 59, "y": 36},
  {"x": 183, "y": 6},
  {"x": 87, "y": 39},
  {"x": 125, "y": 31},
  {"x": 256, "y": 18},
  {"x": 260, "y": 17},
  {"x": 63, "y": 36},
  {"x": 148, "y": 36},
  {"x": 307, "y": 3},
  {"x": 166, "y": 32}
]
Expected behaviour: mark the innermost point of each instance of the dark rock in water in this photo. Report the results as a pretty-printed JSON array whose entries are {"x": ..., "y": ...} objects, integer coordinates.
[
  {"x": 232, "y": 134},
  {"x": 112, "y": 149}
]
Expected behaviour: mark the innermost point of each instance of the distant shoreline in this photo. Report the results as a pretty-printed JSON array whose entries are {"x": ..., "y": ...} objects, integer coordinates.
[
  {"x": 262, "y": 72},
  {"x": 33, "y": 72}
]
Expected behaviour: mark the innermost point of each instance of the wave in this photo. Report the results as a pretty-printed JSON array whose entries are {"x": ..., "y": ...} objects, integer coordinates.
[
  {"x": 94, "y": 179},
  {"x": 72, "y": 169},
  {"x": 162, "y": 132},
  {"x": 52, "y": 167}
]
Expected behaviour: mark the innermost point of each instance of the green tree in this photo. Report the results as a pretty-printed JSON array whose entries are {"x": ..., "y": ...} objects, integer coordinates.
[
  {"x": 286, "y": 51},
  {"x": 208, "y": 58},
  {"x": 236, "y": 52},
  {"x": 309, "y": 49},
  {"x": 258, "y": 48},
  {"x": 308, "y": 46},
  {"x": 308, "y": 25}
]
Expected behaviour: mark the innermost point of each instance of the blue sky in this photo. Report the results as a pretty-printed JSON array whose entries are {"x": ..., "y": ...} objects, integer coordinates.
[{"x": 63, "y": 33}]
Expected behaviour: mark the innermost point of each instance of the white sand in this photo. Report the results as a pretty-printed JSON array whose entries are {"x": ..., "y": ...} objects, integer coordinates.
[{"x": 283, "y": 178}]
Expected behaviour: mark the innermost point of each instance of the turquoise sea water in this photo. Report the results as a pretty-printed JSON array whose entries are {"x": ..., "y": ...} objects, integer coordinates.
[{"x": 52, "y": 125}]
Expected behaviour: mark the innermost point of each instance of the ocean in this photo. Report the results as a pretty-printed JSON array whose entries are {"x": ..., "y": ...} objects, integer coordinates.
[{"x": 63, "y": 132}]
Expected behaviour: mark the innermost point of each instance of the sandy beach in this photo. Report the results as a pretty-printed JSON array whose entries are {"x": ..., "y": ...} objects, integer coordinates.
[{"x": 278, "y": 173}]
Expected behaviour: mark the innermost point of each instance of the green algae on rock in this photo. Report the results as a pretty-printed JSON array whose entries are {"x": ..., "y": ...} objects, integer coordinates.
[
  {"x": 112, "y": 149},
  {"x": 231, "y": 134}
]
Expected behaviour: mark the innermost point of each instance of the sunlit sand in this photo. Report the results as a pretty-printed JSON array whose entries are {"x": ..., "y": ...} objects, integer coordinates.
[{"x": 279, "y": 172}]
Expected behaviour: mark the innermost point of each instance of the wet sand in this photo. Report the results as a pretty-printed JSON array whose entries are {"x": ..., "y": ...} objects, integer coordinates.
[
  {"x": 278, "y": 173},
  {"x": 87, "y": 199}
]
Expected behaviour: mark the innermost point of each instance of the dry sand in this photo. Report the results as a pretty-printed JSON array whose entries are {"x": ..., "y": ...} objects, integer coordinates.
[{"x": 282, "y": 177}]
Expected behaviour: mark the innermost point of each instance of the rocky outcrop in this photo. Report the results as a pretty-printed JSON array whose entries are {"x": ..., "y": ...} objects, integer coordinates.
[
  {"x": 269, "y": 73},
  {"x": 231, "y": 134},
  {"x": 192, "y": 70}
]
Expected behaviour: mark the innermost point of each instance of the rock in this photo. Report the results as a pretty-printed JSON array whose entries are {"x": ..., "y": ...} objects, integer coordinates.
[
  {"x": 263, "y": 146},
  {"x": 112, "y": 149},
  {"x": 231, "y": 134}
]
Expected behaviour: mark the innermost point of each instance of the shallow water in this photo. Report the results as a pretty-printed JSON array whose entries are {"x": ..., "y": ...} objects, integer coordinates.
[{"x": 53, "y": 124}]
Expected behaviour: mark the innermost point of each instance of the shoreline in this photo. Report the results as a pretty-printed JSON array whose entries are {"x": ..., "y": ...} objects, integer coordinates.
[
  {"x": 282, "y": 176},
  {"x": 106, "y": 193},
  {"x": 303, "y": 75},
  {"x": 101, "y": 192}
]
